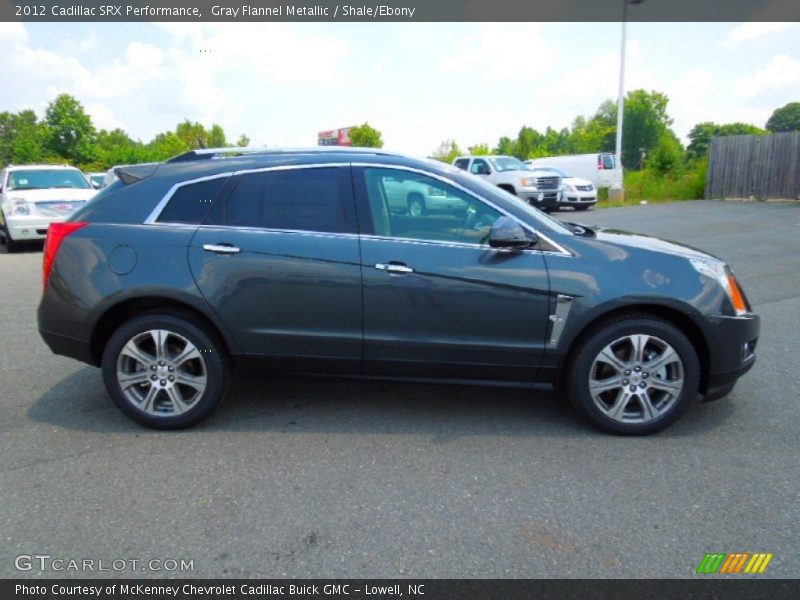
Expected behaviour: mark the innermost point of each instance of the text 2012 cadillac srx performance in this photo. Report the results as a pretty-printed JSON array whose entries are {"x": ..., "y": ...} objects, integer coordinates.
[{"x": 294, "y": 260}]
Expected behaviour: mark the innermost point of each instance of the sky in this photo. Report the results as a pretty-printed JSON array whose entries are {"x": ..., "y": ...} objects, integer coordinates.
[{"x": 418, "y": 83}]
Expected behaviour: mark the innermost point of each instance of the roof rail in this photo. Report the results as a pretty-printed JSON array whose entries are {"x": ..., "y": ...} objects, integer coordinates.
[{"x": 217, "y": 153}]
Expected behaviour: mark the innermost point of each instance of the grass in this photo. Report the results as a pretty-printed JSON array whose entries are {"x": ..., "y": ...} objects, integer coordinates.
[{"x": 657, "y": 188}]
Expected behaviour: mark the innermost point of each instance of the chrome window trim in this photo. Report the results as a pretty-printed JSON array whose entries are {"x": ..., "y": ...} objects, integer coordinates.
[{"x": 152, "y": 218}]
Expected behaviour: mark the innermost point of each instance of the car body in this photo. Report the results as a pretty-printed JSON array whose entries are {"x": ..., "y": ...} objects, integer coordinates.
[
  {"x": 110, "y": 176},
  {"x": 600, "y": 168},
  {"x": 291, "y": 260},
  {"x": 578, "y": 193},
  {"x": 511, "y": 174},
  {"x": 97, "y": 179},
  {"x": 34, "y": 196}
]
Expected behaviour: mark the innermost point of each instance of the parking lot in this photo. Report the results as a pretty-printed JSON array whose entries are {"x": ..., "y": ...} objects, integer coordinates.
[{"x": 319, "y": 478}]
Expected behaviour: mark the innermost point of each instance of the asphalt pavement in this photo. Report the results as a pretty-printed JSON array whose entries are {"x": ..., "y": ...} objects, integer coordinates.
[{"x": 294, "y": 477}]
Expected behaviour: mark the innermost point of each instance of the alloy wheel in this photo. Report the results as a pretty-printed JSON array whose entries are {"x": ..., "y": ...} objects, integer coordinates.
[
  {"x": 161, "y": 373},
  {"x": 636, "y": 378}
]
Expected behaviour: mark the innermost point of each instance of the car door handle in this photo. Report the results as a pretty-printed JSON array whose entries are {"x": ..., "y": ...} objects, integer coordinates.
[
  {"x": 394, "y": 267},
  {"x": 221, "y": 248}
]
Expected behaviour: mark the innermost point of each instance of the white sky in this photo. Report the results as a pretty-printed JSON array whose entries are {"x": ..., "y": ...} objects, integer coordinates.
[{"x": 419, "y": 83}]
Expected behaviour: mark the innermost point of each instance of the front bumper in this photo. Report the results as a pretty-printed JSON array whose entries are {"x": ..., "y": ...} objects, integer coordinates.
[
  {"x": 23, "y": 227},
  {"x": 732, "y": 352},
  {"x": 577, "y": 197},
  {"x": 541, "y": 198}
]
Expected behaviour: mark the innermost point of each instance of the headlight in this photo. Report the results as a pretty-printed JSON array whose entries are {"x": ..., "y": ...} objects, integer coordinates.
[
  {"x": 528, "y": 182},
  {"x": 19, "y": 206},
  {"x": 718, "y": 271}
]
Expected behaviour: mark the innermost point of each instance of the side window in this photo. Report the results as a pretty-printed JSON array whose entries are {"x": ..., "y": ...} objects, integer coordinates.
[
  {"x": 462, "y": 163},
  {"x": 480, "y": 167},
  {"x": 291, "y": 199},
  {"x": 190, "y": 203},
  {"x": 608, "y": 161},
  {"x": 409, "y": 205}
]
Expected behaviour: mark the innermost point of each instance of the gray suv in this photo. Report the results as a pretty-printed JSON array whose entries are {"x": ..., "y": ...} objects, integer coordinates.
[{"x": 180, "y": 274}]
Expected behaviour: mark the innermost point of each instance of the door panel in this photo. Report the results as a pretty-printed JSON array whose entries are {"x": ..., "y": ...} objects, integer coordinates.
[
  {"x": 284, "y": 294},
  {"x": 438, "y": 301}
]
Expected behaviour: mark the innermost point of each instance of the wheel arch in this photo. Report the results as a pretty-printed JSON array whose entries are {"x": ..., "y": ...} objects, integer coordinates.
[
  {"x": 672, "y": 315},
  {"x": 123, "y": 311},
  {"x": 507, "y": 187}
]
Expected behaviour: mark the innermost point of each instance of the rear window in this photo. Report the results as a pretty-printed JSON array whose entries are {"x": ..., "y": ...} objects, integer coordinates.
[
  {"x": 462, "y": 163},
  {"x": 608, "y": 161},
  {"x": 190, "y": 203}
]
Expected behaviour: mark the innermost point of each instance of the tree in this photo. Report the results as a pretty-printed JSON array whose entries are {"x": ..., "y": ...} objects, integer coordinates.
[
  {"x": 69, "y": 130},
  {"x": 786, "y": 118},
  {"x": 22, "y": 138},
  {"x": 365, "y": 136},
  {"x": 701, "y": 134},
  {"x": 195, "y": 136},
  {"x": 666, "y": 158},
  {"x": 480, "y": 150},
  {"x": 646, "y": 122},
  {"x": 447, "y": 152},
  {"x": 505, "y": 146},
  {"x": 243, "y": 141}
]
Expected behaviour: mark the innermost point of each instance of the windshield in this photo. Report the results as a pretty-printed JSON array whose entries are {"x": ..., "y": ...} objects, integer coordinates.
[
  {"x": 41, "y": 179},
  {"x": 508, "y": 163}
]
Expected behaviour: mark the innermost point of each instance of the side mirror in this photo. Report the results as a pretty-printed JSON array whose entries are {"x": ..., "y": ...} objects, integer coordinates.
[
  {"x": 508, "y": 233},
  {"x": 483, "y": 170}
]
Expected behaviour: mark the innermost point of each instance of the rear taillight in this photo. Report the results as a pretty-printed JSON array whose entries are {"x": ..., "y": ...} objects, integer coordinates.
[
  {"x": 55, "y": 235},
  {"x": 600, "y": 165}
]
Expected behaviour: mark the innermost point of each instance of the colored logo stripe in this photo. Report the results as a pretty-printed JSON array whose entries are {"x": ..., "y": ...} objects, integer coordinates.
[{"x": 734, "y": 562}]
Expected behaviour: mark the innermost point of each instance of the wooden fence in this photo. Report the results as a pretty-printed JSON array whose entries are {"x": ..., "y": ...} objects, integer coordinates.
[{"x": 757, "y": 166}]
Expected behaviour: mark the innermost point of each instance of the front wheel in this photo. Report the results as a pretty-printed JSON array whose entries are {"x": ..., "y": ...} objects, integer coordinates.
[
  {"x": 634, "y": 375},
  {"x": 164, "y": 371},
  {"x": 11, "y": 245}
]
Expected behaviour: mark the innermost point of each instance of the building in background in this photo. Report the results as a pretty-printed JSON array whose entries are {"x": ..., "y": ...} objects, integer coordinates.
[{"x": 334, "y": 137}]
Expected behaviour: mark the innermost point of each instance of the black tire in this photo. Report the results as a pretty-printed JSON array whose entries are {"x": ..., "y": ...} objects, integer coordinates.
[
  {"x": 11, "y": 245},
  {"x": 613, "y": 333},
  {"x": 212, "y": 357},
  {"x": 416, "y": 205}
]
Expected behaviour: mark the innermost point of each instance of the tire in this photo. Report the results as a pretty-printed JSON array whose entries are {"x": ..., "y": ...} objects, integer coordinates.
[
  {"x": 633, "y": 393},
  {"x": 11, "y": 245},
  {"x": 416, "y": 205},
  {"x": 200, "y": 382},
  {"x": 583, "y": 207}
]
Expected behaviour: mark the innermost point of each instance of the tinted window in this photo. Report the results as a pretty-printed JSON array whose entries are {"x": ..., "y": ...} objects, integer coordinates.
[
  {"x": 410, "y": 205},
  {"x": 190, "y": 203},
  {"x": 294, "y": 199},
  {"x": 462, "y": 163},
  {"x": 608, "y": 161}
]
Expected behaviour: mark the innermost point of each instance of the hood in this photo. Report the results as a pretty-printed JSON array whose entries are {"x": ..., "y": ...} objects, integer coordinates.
[
  {"x": 51, "y": 194},
  {"x": 621, "y": 238},
  {"x": 577, "y": 181}
]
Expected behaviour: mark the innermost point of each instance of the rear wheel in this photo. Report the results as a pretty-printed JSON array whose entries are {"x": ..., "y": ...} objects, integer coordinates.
[
  {"x": 634, "y": 375},
  {"x": 164, "y": 371}
]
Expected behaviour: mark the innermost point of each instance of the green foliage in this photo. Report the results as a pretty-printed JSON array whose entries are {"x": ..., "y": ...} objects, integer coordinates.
[
  {"x": 646, "y": 123},
  {"x": 447, "y": 152},
  {"x": 365, "y": 136},
  {"x": 701, "y": 134},
  {"x": 667, "y": 156},
  {"x": 480, "y": 150},
  {"x": 653, "y": 186},
  {"x": 69, "y": 132},
  {"x": 243, "y": 141},
  {"x": 22, "y": 138},
  {"x": 786, "y": 118}
]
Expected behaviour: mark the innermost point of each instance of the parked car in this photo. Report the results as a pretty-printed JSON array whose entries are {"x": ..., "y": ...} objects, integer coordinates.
[
  {"x": 34, "y": 196},
  {"x": 511, "y": 174},
  {"x": 599, "y": 168},
  {"x": 578, "y": 193},
  {"x": 418, "y": 198},
  {"x": 294, "y": 261},
  {"x": 97, "y": 179}
]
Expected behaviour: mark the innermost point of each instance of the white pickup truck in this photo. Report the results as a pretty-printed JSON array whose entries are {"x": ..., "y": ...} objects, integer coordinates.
[{"x": 512, "y": 175}]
